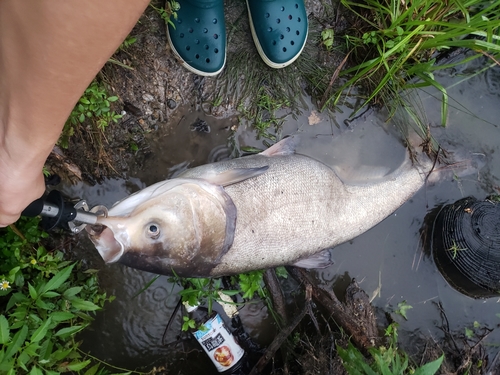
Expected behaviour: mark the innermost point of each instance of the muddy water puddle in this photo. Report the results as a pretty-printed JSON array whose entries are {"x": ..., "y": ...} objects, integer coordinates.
[{"x": 388, "y": 261}]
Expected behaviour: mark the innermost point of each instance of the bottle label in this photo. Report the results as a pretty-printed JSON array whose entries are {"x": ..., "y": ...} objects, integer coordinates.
[{"x": 219, "y": 344}]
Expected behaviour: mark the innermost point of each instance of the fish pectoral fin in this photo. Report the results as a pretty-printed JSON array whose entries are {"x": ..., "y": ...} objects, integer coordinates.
[
  {"x": 286, "y": 146},
  {"x": 234, "y": 175},
  {"x": 322, "y": 259}
]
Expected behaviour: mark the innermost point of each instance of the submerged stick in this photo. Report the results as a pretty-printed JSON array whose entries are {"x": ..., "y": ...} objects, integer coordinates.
[
  {"x": 280, "y": 338},
  {"x": 277, "y": 297},
  {"x": 356, "y": 317}
]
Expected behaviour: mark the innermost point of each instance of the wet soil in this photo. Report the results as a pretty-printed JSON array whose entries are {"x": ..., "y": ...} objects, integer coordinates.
[{"x": 155, "y": 90}]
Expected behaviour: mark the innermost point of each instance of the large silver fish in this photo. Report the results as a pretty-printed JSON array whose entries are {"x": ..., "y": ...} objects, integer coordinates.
[{"x": 271, "y": 209}]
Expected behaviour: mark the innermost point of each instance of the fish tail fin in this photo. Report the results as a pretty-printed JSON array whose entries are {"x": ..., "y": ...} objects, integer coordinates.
[
  {"x": 458, "y": 165},
  {"x": 446, "y": 162}
]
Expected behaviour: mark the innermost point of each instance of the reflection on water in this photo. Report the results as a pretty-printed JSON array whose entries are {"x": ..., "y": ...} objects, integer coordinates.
[{"x": 387, "y": 261}]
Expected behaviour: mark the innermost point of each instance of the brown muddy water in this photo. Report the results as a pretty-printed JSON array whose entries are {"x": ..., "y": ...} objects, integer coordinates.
[{"x": 388, "y": 261}]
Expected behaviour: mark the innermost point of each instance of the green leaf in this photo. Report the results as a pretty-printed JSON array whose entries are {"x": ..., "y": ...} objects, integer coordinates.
[
  {"x": 71, "y": 292},
  {"x": 84, "y": 305},
  {"x": 92, "y": 370},
  {"x": 17, "y": 342},
  {"x": 46, "y": 349},
  {"x": 403, "y": 308},
  {"x": 33, "y": 293},
  {"x": 61, "y": 354},
  {"x": 31, "y": 349},
  {"x": 35, "y": 371},
  {"x": 58, "y": 279},
  {"x": 50, "y": 294},
  {"x": 4, "y": 330},
  {"x": 22, "y": 359},
  {"x": 68, "y": 331},
  {"x": 41, "y": 331},
  {"x": 61, "y": 316},
  {"x": 430, "y": 368},
  {"x": 112, "y": 98},
  {"x": 81, "y": 118},
  {"x": 77, "y": 366},
  {"x": 469, "y": 333},
  {"x": 43, "y": 305},
  {"x": 16, "y": 299}
]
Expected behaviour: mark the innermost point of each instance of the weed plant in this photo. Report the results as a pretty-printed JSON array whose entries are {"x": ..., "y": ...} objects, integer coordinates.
[
  {"x": 94, "y": 105},
  {"x": 398, "y": 41},
  {"x": 44, "y": 301},
  {"x": 385, "y": 360},
  {"x": 170, "y": 10}
]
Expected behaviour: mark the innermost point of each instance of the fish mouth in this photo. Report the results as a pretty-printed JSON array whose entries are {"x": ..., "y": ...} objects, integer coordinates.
[{"x": 104, "y": 239}]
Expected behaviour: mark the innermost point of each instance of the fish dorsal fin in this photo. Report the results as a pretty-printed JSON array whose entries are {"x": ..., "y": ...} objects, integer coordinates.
[
  {"x": 284, "y": 147},
  {"x": 233, "y": 176}
]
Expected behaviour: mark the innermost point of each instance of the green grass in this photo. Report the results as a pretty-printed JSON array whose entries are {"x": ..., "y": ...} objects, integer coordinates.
[{"x": 394, "y": 42}]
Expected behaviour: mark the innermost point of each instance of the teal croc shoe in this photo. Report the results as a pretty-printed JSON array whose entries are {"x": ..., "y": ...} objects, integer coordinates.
[
  {"x": 199, "y": 37},
  {"x": 279, "y": 30}
]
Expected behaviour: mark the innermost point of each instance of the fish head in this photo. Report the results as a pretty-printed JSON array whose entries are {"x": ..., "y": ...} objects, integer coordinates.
[{"x": 183, "y": 231}]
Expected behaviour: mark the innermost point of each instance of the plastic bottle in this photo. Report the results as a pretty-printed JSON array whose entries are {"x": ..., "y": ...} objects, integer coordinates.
[{"x": 216, "y": 340}]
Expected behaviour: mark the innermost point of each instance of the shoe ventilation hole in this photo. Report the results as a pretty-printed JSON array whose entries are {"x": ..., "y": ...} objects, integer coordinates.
[
  {"x": 290, "y": 17},
  {"x": 206, "y": 46},
  {"x": 216, "y": 50},
  {"x": 297, "y": 32},
  {"x": 284, "y": 49},
  {"x": 267, "y": 15},
  {"x": 296, "y": 6},
  {"x": 181, "y": 35},
  {"x": 197, "y": 41},
  {"x": 188, "y": 48},
  {"x": 207, "y": 60},
  {"x": 269, "y": 29},
  {"x": 197, "y": 56},
  {"x": 216, "y": 36},
  {"x": 205, "y": 30},
  {"x": 292, "y": 42},
  {"x": 190, "y": 30},
  {"x": 282, "y": 9},
  {"x": 274, "y": 42},
  {"x": 282, "y": 36},
  {"x": 287, "y": 29},
  {"x": 298, "y": 19},
  {"x": 197, "y": 20},
  {"x": 278, "y": 20},
  {"x": 214, "y": 21}
]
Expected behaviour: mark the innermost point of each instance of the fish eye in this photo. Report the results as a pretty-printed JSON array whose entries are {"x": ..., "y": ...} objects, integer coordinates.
[{"x": 153, "y": 230}]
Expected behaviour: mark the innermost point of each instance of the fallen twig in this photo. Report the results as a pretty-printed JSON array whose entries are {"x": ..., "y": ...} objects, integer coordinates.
[
  {"x": 361, "y": 329},
  {"x": 277, "y": 297},
  {"x": 280, "y": 338}
]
